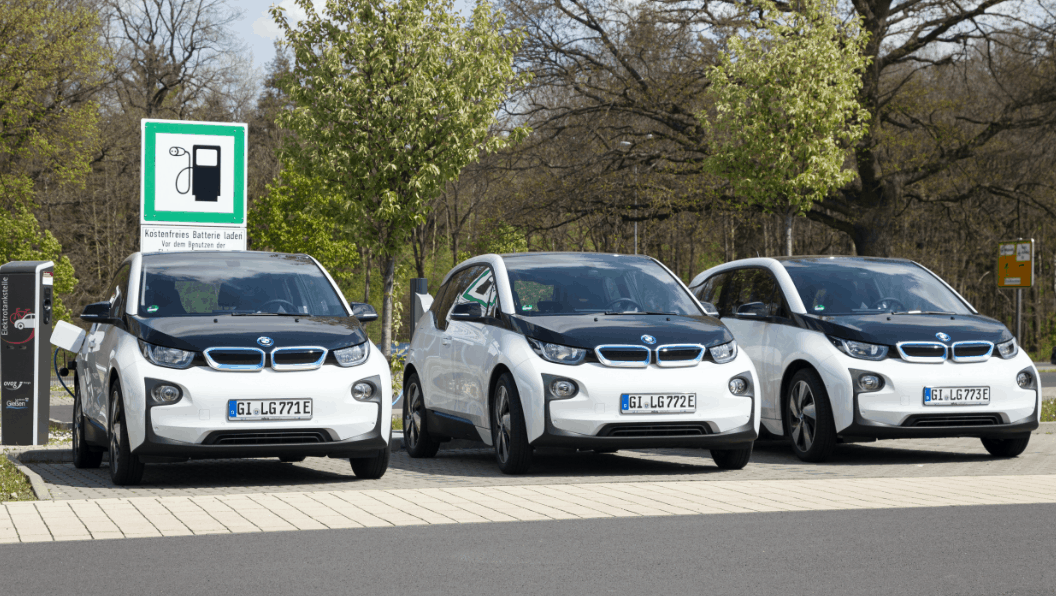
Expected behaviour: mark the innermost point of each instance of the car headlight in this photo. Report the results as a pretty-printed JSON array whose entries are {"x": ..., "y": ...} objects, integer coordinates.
[
  {"x": 167, "y": 357},
  {"x": 1009, "y": 349},
  {"x": 557, "y": 353},
  {"x": 723, "y": 353},
  {"x": 860, "y": 349},
  {"x": 352, "y": 355}
]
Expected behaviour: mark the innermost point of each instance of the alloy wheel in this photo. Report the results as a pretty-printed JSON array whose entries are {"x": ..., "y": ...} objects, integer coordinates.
[
  {"x": 502, "y": 416},
  {"x": 803, "y": 414},
  {"x": 412, "y": 423}
]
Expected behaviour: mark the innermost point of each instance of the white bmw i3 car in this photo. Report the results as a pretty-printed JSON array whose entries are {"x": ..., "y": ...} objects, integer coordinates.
[
  {"x": 228, "y": 354},
  {"x": 854, "y": 348},
  {"x": 578, "y": 350}
]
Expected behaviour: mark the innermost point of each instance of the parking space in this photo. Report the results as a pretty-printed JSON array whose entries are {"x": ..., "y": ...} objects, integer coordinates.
[{"x": 476, "y": 468}]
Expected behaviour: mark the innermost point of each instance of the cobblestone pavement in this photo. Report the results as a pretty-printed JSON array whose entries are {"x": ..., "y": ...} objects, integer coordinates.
[
  {"x": 476, "y": 467},
  {"x": 275, "y": 512}
]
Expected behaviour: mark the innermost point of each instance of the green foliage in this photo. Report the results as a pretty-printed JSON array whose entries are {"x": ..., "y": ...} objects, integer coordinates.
[
  {"x": 22, "y": 239},
  {"x": 500, "y": 237},
  {"x": 785, "y": 105},
  {"x": 298, "y": 214},
  {"x": 391, "y": 99},
  {"x": 49, "y": 56}
]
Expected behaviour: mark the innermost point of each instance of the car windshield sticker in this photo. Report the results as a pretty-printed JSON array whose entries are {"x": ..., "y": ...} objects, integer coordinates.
[
  {"x": 152, "y": 308},
  {"x": 819, "y": 307}
]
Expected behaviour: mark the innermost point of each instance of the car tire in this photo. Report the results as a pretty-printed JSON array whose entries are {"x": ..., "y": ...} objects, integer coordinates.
[
  {"x": 808, "y": 417},
  {"x": 732, "y": 459},
  {"x": 291, "y": 459},
  {"x": 125, "y": 467},
  {"x": 374, "y": 467},
  {"x": 508, "y": 432},
  {"x": 416, "y": 438},
  {"x": 84, "y": 456},
  {"x": 1005, "y": 447}
]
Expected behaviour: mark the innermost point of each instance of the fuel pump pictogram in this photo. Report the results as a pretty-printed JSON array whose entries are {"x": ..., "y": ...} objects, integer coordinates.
[{"x": 203, "y": 171}]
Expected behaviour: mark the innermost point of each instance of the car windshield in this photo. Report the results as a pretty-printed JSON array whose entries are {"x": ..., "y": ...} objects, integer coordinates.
[
  {"x": 867, "y": 286},
  {"x": 570, "y": 284},
  {"x": 197, "y": 284}
]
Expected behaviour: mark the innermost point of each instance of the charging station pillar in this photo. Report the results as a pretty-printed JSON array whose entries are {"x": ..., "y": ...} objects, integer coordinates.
[
  {"x": 25, "y": 351},
  {"x": 419, "y": 287}
]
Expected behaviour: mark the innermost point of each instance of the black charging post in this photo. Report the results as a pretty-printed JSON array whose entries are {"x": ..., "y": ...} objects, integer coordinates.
[{"x": 26, "y": 297}]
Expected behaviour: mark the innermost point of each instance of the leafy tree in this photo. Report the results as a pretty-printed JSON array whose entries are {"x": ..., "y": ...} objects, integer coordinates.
[
  {"x": 297, "y": 214},
  {"x": 785, "y": 107},
  {"x": 49, "y": 64},
  {"x": 392, "y": 99}
]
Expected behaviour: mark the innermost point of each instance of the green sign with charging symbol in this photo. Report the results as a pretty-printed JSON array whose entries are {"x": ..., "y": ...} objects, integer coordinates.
[{"x": 193, "y": 186}]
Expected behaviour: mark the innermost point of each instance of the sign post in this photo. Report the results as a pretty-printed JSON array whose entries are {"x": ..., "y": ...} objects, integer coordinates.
[
  {"x": 1015, "y": 269},
  {"x": 193, "y": 186}
]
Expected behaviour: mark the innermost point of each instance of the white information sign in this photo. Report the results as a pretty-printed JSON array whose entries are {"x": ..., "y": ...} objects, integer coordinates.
[{"x": 181, "y": 238}]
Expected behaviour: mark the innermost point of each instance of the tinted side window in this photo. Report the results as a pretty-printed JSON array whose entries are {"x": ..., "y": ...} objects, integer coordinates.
[
  {"x": 748, "y": 286},
  {"x": 458, "y": 284},
  {"x": 481, "y": 290},
  {"x": 435, "y": 308},
  {"x": 712, "y": 290},
  {"x": 119, "y": 292}
]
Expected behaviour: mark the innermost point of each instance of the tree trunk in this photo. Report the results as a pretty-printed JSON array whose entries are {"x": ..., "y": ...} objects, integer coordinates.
[
  {"x": 418, "y": 246},
  {"x": 366, "y": 275},
  {"x": 388, "y": 279},
  {"x": 790, "y": 220}
]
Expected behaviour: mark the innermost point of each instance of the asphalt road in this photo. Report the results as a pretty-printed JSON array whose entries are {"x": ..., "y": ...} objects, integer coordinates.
[{"x": 1003, "y": 550}]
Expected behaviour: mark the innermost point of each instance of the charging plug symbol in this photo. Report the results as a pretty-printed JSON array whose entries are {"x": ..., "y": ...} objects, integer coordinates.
[{"x": 203, "y": 171}]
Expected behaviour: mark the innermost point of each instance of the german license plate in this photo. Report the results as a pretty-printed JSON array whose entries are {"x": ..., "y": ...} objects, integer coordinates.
[
  {"x": 269, "y": 409},
  {"x": 956, "y": 396},
  {"x": 658, "y": 403}
]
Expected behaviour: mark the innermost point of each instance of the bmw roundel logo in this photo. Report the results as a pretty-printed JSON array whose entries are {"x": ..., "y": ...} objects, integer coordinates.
[
  {"x": 265, "y": 341},
  {"x": 649, "y": 339},
  {"x": 942, "y": 336}
]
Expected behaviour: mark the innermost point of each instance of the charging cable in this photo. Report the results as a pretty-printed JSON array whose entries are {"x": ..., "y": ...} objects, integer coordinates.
[{"x": 176, "y": 152}]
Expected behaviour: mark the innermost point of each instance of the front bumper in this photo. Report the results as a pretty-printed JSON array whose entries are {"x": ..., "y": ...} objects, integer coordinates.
[
  {"x": 592, "y": 419},
  {"x": 898, "y": 411},
  {"x": 197, "y": 427}
]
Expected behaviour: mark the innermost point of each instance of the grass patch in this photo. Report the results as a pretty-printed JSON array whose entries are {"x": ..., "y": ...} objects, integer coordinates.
[
  {"x": 1048, "y": 411},
  {"x": 13, "y": 485},
  {"x": 397, "y": 422}
]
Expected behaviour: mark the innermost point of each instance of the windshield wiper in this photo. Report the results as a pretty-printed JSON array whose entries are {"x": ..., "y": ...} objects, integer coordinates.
[
  {"x": 639, "y": 312},
  {"x": 269, "y": 314},
  {"x": 922, "y": 312}
]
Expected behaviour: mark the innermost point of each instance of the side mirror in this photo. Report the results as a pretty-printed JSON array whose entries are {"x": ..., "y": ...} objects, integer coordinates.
[
  {"x": 470, "y": 311},
  {"x": 753, "y": 310},
  {"x": 709, "y": 309},
  {"x": 364, "y": 312},
  {"x": 97, "y": 312}
]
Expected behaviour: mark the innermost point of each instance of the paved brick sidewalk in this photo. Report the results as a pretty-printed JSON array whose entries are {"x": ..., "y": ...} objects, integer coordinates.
[
  {"x": 466, "y": 468},
  {"x": 273, "y": 512}
]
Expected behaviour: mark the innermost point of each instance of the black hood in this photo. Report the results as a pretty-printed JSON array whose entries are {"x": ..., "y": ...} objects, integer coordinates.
[
  {"x": 198, "y": 333},
  {"x": 889, "y": 329},
  {"x": 589, "y": 331}
]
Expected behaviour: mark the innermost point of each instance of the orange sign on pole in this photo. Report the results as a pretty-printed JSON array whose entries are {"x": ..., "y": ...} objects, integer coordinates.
[{"x": 1015, "y": 263}]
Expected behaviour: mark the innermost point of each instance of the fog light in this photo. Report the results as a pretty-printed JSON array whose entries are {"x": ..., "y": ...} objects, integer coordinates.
[
  {"x": 869, "y": 383},
  {"x": 362, "y": 390},
  {"x": 563, "y": 388},
  {"x": 1023, "y": 379},
  {"x": 738, "y": 386},
  {"x": 165, "y": 394}
]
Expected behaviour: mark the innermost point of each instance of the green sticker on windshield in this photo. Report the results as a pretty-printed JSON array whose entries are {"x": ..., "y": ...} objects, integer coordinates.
[
  {"x": 152, "y": 308},
  {"x": 819, "y": 307}
]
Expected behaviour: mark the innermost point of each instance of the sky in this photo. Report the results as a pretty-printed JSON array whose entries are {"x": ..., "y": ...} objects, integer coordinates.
[{"x": 259, "y": 31}]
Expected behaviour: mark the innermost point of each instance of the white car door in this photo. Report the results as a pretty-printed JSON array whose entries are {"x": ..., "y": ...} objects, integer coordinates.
[
  {"x": 439, "y": 379},
  {"x": 470, "y": 343},
  {"x": 100, "y": 343}
]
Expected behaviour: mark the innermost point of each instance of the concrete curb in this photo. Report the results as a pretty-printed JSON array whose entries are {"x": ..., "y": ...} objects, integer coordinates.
[
  {"x": 59, "y": 424},
  {"x": 1046, "y": 428},
  {"x": 40, "y": 488}
]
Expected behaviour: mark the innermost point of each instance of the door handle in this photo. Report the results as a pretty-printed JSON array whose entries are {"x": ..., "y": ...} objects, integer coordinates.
[{"x": 445, "y": 340}]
